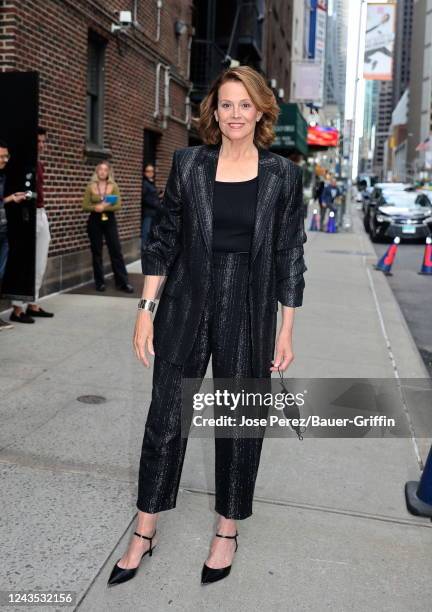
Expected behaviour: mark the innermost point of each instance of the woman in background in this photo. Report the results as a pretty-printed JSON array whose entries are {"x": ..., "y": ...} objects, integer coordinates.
[{"x": 102, "y": 223}]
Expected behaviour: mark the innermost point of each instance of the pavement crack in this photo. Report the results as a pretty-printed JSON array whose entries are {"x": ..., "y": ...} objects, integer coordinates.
[{"x": 328, "y": 509}]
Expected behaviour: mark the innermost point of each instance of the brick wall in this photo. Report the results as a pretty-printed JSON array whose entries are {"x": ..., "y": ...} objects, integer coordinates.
[
  {"x": 8, "y": 32},
  {"x": 50, "y": 36}
]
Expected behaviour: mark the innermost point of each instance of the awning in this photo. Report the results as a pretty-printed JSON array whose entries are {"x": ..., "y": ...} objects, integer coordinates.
[
  {"x": 291, "y": 130},
  {"x": 322, "y": 137}
]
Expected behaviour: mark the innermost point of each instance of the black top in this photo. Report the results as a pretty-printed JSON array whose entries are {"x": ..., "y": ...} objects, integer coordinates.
[{"x": 234, "y": 205}]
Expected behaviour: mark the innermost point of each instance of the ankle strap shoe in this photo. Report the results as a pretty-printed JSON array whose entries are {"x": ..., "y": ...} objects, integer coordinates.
[
  {"x": 210, "y": 574},
  {"x": 120, "y": 574}
]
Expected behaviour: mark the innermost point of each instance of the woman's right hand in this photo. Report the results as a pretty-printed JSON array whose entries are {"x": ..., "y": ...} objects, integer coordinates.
[{"x": 143, "y": 336}]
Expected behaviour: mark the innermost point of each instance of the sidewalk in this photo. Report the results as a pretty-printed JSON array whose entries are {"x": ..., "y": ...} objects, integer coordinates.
[{"x": 330, "y": 528}]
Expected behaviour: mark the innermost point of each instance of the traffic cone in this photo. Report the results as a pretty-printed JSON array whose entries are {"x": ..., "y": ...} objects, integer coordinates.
[
  {"x": 331, "y": 223},
  {"x": 386, "y": 261},
  {"x": 314, "y": 224},
  {"x": 418, "y": 495},
  {"x": 427, "y": 258}
]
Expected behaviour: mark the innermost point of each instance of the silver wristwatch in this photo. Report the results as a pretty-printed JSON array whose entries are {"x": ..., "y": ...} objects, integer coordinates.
[{"x": 146, "y": 305}]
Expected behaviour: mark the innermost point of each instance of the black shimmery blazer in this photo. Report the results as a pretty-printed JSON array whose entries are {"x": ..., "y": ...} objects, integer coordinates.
[{"x": 180, "y": 247}]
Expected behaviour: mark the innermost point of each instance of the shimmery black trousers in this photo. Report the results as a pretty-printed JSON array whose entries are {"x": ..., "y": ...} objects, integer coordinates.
[{"x": 224, "y": 333}]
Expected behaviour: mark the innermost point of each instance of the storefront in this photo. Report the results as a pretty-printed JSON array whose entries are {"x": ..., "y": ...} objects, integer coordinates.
[{"x": 291, "y": 133}]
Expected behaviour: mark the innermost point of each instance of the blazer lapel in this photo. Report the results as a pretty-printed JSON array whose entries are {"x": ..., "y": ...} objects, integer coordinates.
[
  {"x": 269, "y": 186},
  {"x": 202, "y": 185}
]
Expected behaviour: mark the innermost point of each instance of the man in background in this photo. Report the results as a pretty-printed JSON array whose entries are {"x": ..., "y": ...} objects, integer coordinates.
[{"x": 43, "y": 238}]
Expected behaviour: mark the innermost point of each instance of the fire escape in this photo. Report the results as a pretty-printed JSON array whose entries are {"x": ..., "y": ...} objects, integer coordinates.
[{"x": 226, "y": 31}]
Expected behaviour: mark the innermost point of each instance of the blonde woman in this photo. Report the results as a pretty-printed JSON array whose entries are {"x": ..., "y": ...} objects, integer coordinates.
[
  {"x": 102, "y": 199},
  {"x": 229, "y": 247}
]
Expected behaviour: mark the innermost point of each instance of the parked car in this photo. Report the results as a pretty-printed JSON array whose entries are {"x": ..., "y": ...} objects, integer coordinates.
[
  {"x": 407, "y": 214},
  {"x": 370, "y": 201}
]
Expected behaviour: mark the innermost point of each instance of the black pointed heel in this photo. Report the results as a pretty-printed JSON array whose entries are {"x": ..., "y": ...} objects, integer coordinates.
[
  {"x": 120, "y": 574},
  {"x": 211, "y": 574}
]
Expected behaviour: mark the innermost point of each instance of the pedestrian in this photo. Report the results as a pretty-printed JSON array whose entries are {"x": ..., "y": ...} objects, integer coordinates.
[
  {"x": 16, "y": 198},
  {"x": 150, "y": 203},
  {"x": 318, "y": 189},
  {"x": 317, "y": 193},
  {"x": 43, "y": 238},
  {"x": 102, "y": 199},
  {"x": 330, "y": 192},
  {"x": 229, "y": 247}
]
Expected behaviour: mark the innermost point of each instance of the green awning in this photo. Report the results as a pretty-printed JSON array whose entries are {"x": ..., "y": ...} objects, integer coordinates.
[{"x": 291, "y": 130}]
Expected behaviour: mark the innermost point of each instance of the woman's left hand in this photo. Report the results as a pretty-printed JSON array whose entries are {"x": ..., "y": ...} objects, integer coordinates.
[{"x": 283, "y": 352}]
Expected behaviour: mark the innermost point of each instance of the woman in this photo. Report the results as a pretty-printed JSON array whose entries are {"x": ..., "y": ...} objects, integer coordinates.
[
  {"x": 102, "y": 199},
  {"x": 150, "y": 203},
  {"x": 231, "y": 246}
]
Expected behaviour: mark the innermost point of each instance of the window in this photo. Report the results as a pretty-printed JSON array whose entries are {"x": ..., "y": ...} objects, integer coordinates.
[{"x": 95, "y": 87}]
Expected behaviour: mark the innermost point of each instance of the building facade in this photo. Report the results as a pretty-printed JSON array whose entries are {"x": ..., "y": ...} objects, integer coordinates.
[
  {"x": 420, "y": 103},
  {"x": 383, "y": 123},
  {"x": 131, "y": 93},
  {"x": 121, "y": 96},
  {"x": 336, "y": 56},
  {"x": 402, "y": 49}
]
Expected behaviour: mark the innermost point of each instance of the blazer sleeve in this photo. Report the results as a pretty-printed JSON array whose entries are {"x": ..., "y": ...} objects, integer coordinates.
[
  {"x": 163, "y": 245},
  {"x": 87, "y": 204},
  {"x": 290, "y": 264}
]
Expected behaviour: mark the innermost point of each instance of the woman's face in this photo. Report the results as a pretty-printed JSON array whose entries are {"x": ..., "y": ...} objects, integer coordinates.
[
  {"x": 236, "y": 113},
  {"x": 149, "y": 172},
  {"x": 103, "y": 172}
]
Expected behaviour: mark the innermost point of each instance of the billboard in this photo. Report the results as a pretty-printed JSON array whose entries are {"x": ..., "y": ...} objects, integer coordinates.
[
  {"x": 379, "y": 42},
  {"x": 322, "y": 136},
  {"x": 317, "y": 42},
  {"x": 306, "y": 86}
]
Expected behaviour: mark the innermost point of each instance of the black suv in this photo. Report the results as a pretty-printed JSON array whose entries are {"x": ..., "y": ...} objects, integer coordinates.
[{"x": 403, "y": 213}]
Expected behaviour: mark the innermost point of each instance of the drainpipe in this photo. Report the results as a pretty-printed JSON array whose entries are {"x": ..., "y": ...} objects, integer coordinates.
[{"x": 158, "y": 18}]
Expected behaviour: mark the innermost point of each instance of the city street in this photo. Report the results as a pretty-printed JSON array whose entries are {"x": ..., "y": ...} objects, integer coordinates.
[
  {"x": 413, "y": 293},
  {"x": 330, "y": 527},
  {"x": 214, "y": 166}
]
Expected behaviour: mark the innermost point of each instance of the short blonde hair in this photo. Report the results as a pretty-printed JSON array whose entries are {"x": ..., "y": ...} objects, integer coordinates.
[
  {"x": 95, "y": 178},
  {"x": 261, "y": 95}
]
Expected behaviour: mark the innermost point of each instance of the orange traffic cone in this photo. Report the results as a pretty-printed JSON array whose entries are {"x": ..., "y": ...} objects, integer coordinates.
[
  {"x": 386, "y": 261},
  {"x": 427, "y": 258}
]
